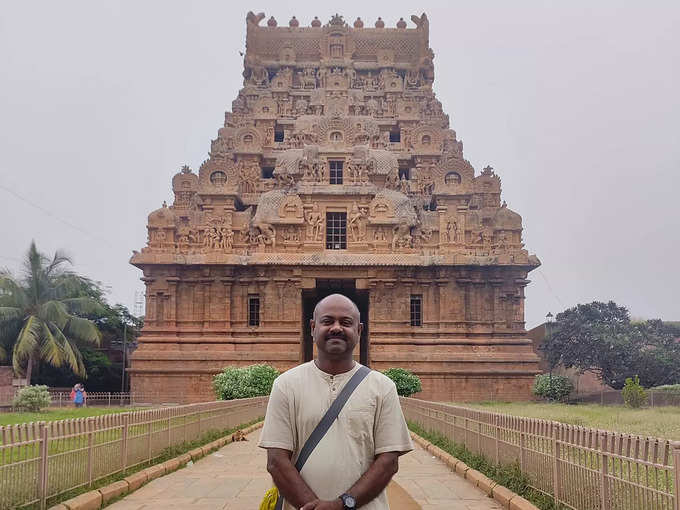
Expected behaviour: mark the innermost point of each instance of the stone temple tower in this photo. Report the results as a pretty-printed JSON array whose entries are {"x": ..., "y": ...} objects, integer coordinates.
[{"x": 336, "y": 171}]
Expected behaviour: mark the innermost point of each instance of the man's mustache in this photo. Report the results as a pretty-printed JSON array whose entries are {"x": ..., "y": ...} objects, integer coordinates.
[{"x": 337, "y": 335}]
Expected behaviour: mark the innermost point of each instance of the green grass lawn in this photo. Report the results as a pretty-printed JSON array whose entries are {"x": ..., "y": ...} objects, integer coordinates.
[
  {"x": 61, "y": 414},
  {"x": 663, "y": 422}
]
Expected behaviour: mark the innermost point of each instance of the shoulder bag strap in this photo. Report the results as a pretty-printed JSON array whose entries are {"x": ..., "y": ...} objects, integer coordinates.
[
  {"x": 330, "y": 416},
  {"x": 327, "y": 420}
]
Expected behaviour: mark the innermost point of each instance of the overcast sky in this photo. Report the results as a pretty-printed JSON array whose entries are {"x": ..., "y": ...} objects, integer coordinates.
[{"x": 575, "y": 104}]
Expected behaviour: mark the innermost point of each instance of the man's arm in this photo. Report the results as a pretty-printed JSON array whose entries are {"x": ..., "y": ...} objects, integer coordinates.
[
  {"x": 287, "y": 479},
  {"x": 368, "y": 487}
]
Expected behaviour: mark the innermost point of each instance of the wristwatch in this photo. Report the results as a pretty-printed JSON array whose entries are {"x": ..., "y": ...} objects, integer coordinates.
[{"x": 348, "y": 502}]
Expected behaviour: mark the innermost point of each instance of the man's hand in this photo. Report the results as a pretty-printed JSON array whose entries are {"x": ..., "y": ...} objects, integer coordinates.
[{"x": 317, "y": 504}]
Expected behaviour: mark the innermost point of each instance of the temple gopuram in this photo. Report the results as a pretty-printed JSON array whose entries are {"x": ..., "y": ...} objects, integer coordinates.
[{"x": 336, "y": 171}]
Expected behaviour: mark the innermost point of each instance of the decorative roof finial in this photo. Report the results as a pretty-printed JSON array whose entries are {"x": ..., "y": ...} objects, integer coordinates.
[
  {"x": 316, "y": 22},
  {"x": 358, "y": 23},
  {"x": 293, "y": 22},
  {"x": 337, "y": 21},
  {"x": 379, "y": 23},
  {"x": 401, "y": 23},
  {"x": 186, "y": 169},
  {"x": 271, "y": 22}
]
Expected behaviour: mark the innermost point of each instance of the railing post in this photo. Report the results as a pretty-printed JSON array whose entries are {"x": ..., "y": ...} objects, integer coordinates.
[
  {"x": 556, "y": 463},
  {"x": 109, "y": 399},
  {"x": 148, "y": 440},
  {"x": 497, "y": 420},
  {"x": 676, "y": 476},
  {"x": 604, "y": 471},
  {"x": 124, "y": 443},
  {"x": 522, "y": 445},
  {"x": 169, "y": 421},
  {"x": 199, "y": 424},
  {"x": 184, "y": 422},
  {"x": 90, "y": 444},
  {"x": 465, "y": 437},
  {"x": 60, "y": 399},
  {"x": 42, "y": 469}
]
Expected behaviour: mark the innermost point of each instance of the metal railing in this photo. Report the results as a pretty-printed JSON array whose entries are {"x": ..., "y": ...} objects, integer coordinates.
[
  {"x": 111, "y": 399},
  {"x": 40, "y": 460},
  {"x": 582, "y": 468},
  {"x": 655, "y": 398}
]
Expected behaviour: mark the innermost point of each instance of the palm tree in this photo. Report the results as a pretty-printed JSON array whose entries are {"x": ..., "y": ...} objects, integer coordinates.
[{"x": 39, "y": 315}]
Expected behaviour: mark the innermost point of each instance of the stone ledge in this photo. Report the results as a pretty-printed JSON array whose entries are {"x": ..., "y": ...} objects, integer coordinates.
[
  {"x": 154, "y": 472},
  {"x": 95, "y": 499},
  {"x": 136, "y": 480},
  {"x": 113, "y": 491},
  {"x": 519, "y": 503},
  {"x": 171, "y": 465},
  {"x": 89, "y": 501},
  {"x": 503, "y": 495}
]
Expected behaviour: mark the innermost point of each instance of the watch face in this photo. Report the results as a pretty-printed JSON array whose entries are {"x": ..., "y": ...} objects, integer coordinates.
[{"x": 348, "y": 501}]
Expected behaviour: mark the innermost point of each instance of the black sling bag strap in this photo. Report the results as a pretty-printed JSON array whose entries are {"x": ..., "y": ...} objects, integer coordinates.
[{"x": 327, "y": 420}]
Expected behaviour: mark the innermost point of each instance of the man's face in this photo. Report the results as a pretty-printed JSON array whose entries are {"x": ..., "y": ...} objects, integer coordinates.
[{"x": 336, "y": 328}]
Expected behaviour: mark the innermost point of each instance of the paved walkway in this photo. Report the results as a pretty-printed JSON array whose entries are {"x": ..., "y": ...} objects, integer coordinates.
[{"x": 235, "y": 478}]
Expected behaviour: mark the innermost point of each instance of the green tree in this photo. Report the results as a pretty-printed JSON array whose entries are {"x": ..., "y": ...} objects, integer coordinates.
[
  {"x": 40, "y": 320},
  {"x": 601, "y": 337},
  {"x": 104, "y": 369}
]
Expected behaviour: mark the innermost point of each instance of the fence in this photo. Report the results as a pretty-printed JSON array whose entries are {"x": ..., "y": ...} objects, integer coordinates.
[
  {"x": 582, "y": 468},
  {"x": 110, "y": 399},
  {"x": 45, "y": 459},
  {"x": 655, "y": 398}
]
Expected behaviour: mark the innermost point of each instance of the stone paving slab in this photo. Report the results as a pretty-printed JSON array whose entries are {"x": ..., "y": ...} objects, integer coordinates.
[
  {"x": 235, "y": 478},
  {"x": 435, "y": 487}
]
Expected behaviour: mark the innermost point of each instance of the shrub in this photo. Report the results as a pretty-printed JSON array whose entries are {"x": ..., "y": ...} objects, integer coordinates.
[
  {"x": 406, "y": 381},
  {"x": 555, "y": 387},
  {"x": 634, "y": 395},
  {"x": 32, "y": 398},
  {"x": 244, "y": 382}
]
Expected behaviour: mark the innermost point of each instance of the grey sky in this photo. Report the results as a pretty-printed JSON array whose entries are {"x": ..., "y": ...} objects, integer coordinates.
[{"x": 575, "y": 104}]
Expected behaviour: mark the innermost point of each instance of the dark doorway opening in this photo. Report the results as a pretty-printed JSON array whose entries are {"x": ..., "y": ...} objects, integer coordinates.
[{"x": 325, "y": 288}]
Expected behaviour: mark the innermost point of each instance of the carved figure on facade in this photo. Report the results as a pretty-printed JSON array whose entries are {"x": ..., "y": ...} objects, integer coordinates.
[
  {"x": 258, "y": 77},
  {"x": 291, "y": 234},
  {"x": 401, "y": 235},
  {"x": 404, "y": 186},
  {"x": 357, "y": 223},
  {"x": 249, "y": 176},
  {"x": 307, "y": 78},
  {"x": 262, "y": 234},
  {"x": 315, "y": 222},
  {"x": 421, "y": 236},
  {"x": 392, "y": 179}
]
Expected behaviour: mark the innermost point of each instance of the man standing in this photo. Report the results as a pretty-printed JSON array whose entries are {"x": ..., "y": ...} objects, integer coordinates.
[{"x": 357, "y": 457}]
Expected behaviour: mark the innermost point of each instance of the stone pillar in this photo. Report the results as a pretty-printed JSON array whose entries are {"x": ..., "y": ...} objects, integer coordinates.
[
  {"x": 227, "y": 283},
  {"x": 171, "y": 312},
  {"x": 206, "y": 284}
]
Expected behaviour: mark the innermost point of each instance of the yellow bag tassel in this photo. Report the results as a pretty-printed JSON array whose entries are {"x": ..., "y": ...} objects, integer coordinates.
[{"x": 269, "y": 500}]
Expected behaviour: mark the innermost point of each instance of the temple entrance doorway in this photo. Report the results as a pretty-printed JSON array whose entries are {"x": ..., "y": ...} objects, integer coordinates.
[{"x": 324, "y": 288}]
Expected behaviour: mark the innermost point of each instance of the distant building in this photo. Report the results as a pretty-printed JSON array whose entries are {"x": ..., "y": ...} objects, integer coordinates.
[{"x": 336, "y": 171}]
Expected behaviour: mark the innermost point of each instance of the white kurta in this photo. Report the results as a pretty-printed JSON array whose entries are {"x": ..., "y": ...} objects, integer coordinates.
[{"x": 370, "y": 423}]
